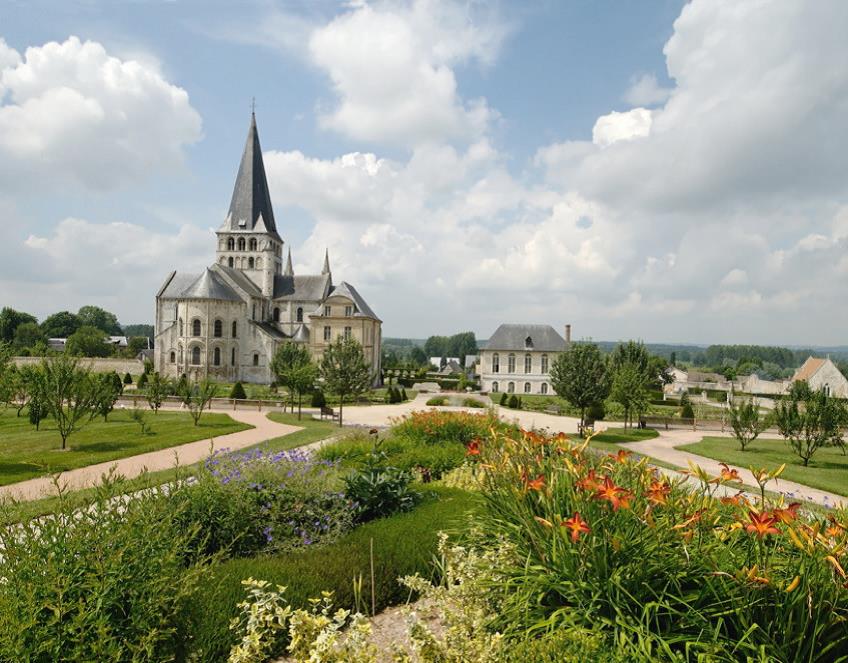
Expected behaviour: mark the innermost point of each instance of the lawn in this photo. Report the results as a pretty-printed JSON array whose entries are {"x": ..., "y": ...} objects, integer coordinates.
[
  {"x": 26, "y": 453},
  {"x": 313, "y": 430},
  {"x": 828, "y": 470},
  {"x": 612, "y": 437}
]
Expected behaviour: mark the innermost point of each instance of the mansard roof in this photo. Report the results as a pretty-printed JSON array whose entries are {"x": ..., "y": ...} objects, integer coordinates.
[
  {"x": 207, "y": 285},
  {"x": 543, "y": 338},
  {"x": 250, "y": 206},
  {"x": 345, "y": 289},
  {"x": 301, "y": 287}
]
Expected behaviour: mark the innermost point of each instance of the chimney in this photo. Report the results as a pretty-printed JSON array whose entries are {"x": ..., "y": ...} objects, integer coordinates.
[{"x": 568, "y": 334}]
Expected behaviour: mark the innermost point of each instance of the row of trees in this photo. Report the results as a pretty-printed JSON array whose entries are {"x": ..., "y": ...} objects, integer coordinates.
[
  {"x": 86, "y": 331},
  {"x": 585, "y": 377}
]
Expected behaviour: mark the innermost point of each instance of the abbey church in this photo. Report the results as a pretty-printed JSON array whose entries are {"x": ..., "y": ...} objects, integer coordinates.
[{"x": 227, "y": 322}]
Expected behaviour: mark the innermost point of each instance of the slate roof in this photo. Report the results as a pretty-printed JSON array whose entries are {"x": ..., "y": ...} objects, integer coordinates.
[
  {"x": 250, "y": 206},
  {"x": 178, "y": 282},
  {"x": 808, "y": 369},
  {"x": 544, "y": 338},
  {"x": 301, "y": 288},
  {"x": 210, "y": 286},
  {"x": 240, "y": 279},
  {"x": 301, "y": 335},
  {"x": 345, "y": 289}
]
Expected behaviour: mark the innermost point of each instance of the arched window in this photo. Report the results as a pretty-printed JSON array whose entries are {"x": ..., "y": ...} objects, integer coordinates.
[
  {"x": 252, "y": 243},
  {"x": 511, "y": 387},
  {"x": 276, "y": 314},
  {"x": 180, "y": 348},
  {"x": 231, "y": 244},
  {"x": 241, "y": 243},
  {"x": 250, "y": 263},
  {"x": 216, "y": 356},
  {"x": 544, "y": 364},
  {"x": 233, "y": 357},
  {"x": 544, "y": 387},
  {"x": 528, "y": 363},
  {"x": 496, "y": 363},
  {"x": 494, "y": 387},
  {"x": 219, "y": 329},
  {"x": 195, "y": 327},
  {"x": 235, "y": 329},
  {"x": 195, "y": 355},
  {"x": 256, "y": 360},
  {"x": 173, "y": 356},
  {"x": 510, "y": 363},
  {"x": 181, "y": 326},
  {"x": 526, "y": 387},
  {"x": 230, "y": 261},
  {"x": 300, "y": 314}
]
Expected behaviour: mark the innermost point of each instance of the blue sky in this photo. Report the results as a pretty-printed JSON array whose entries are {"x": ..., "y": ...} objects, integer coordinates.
[{"x": 658, "y": 170}]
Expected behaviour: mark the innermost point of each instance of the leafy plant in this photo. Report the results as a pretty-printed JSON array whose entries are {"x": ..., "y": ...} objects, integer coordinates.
[
  {"x": 344, "y": 370},
  {"x": 196, "y": 397},
  {"x": 139, "y": 416},
  {"x": 809, "y": 420},
  {"x": 237, "y": 391},
  {"x": 746, "y": 421},
  {"x": 579, "y": 375},
  {"x": 377, "y": 489},
  {"x": 158, "y": 389},
  {"x": 69, "y": 394}
]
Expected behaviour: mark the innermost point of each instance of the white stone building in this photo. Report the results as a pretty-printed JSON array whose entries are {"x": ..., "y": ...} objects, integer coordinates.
[
  {"x": 822, "y": 374},
  {"x": 517, "y": 358},
  {"x": 227, "y": 322}
]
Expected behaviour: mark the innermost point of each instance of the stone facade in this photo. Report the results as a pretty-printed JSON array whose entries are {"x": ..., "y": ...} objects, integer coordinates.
[
  {"x": 822, "y": 373},
  {"x": 227, "y": 322},
  {"x": 517, "y": 359}
]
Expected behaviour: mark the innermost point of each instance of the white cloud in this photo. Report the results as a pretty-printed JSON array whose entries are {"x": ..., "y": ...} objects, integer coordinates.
[
  {"x": 617, "y": 127},
  {"x": 71, "y": 112},
  {"x": 646, "y": 91},
  {"x": 391, "y": 66}
]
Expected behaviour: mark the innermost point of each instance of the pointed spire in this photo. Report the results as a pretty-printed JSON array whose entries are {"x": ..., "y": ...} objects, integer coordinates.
[
  {"x": 326, "y": 268},
  {"x": 289, "y": 271},
  {"x": 251, "y": 199}
]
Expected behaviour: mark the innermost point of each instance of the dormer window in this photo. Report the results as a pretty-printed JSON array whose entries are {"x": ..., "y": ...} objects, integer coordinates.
[
  {"x": 528, "y": 343},
  {"x": 348, "y": 311}
]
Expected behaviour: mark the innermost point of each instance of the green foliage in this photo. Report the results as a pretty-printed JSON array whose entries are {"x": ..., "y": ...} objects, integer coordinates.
[
  {"x": 595, "y": 412},
  {"x": 88, "y": 342},
  {"x": 457, "y": 345},
  {"x": 630, "y": 389},
  {"x": 686, "y": 411},
  {"x": 237, "y": 391},
  {"x": 579, "y": 375},
  {"x": 128, "y": 378},
  {"x": 60, "y": 325},
  {"x": 504, "y": 398},
  {"x": 157, "y": 389},
  {"x": 110, "y": 582},
  {"x": 403, "y": 395},
  {"x": 69, "y": 394},
  {"x": 513, "y": 401},
  {"x": 139, "y": 416},
  {"x": 437, "y": 401},
  {"x": 403, "y": 544},
  {"x": 142, "y": 330},
  {"x": 746, "y": 420},
  {"x": 472, "y": 402},
  {"x": 142, "y": 381},
  {"x": 344, "y": 370},
  {"x": 106, "y": 389},
  {"x": 377, "y": 489},
  {"x": 28, "y": 335},
  {"x": 94, "y": 316},
  {"x": 317, "y": 399},
  {"x": 196, "y": 397},
  {"x": 10, "y": 319},
  {"x": 809, "y": 420},
  {"x": 293, "y": 366}
]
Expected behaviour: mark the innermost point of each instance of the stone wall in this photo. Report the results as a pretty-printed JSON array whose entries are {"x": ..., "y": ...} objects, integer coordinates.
[{"x": 98, "y": 365}]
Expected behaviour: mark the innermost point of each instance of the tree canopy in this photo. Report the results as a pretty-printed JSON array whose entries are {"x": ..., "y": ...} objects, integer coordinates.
[
  {"x": 10, "y": 319},
  {"x": 88, "y": 342},
  {"x": 579, "y": 375},
  {"x": 344, "y": 370},
  {"x": 94, "y": 316},
  {"x": 61, "y": 324}
]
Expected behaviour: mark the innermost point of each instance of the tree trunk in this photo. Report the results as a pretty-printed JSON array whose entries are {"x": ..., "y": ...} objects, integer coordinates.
[
  {"x": 341, "y": 409},
  {"x": 299, "y": 405},
  {"x": 582, "y": 420}
]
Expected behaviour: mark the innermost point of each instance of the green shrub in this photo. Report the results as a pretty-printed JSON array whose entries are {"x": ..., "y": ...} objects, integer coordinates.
[
  {"x": 318, "y": 399},
  {"x": 438, "y": 427},
  {"x": 403, "y": 544},
  {"x": 403, "y": 395},
  {"x": 472, "y": 402},
  {"x": 142, "y": 381},
  {"x": 437, "y": 401},
  {"x": 128, "y": 379},
  {"x": 513, "y": 402},
  {"x": 377, "y": 489},
  {"x": 504, "y": 398},
  {"x": 110, "y": 582},
  {"x": 595, "y": 412},
  {"x": 237, "y": 391}
]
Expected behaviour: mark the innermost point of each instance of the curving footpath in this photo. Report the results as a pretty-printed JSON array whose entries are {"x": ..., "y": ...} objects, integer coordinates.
[{"x": 163, "y": 459}]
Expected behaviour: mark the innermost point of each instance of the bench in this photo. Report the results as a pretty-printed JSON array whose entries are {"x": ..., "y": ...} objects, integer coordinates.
[
  {"x": 553, "y": 409},
  {"x": 328, "y": 412}
]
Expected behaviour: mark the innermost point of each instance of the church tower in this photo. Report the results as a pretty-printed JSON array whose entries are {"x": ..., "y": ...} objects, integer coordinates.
[{"x": 248, "y": 239}]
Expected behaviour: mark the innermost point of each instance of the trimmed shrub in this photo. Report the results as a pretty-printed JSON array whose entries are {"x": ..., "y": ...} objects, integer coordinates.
[
  {"x": 403, "y": 395},
  {"x": 237, "y": 391},
  {"x": 128, "y": 379},
  {"x": 472, "y": 402},
  {"x": 437, "y": 401},
  {"x": 513, "y": 402},
  {"x": 504, "y": 398},
  {"x": 595, "y": 412},
  {"x": 142, "y": 381},
  {"x": 318, "y": 399}
]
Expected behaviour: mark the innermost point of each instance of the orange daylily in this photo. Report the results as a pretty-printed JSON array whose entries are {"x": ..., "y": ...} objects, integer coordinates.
[
  {"x": 761, "y": 524},
  {"x": 658, "y": 492},
  {"x": 534, "y": 484},
  {"x": 788, "y": 514},
  {"x": 588, "y": 483},
  {"x": 691, "y": 520},
  {"x": 621, "y": 456},
  {"x": 473, "y": 448},
  {"x": 727, "y": 474},
  {"x": 617, "y": 496},
  {"x": 577, "y": 526},
  {"x": 736, "y": 500}
]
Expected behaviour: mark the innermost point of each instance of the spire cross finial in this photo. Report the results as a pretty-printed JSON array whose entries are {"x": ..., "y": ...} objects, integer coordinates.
[{"x": 253, "y": 105}]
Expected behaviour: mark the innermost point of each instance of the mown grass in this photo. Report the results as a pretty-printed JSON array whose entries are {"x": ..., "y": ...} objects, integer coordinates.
[
  {"x": 403, "y": 544},
  {"x": 26, "y": 453},
  {"x": 828, "y": 470}
]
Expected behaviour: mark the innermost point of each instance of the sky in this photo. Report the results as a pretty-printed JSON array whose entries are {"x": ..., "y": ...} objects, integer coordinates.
[{"x": 668, "y": 171}]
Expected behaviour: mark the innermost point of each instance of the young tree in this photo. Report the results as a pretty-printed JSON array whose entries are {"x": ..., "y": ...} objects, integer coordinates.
[
  {"x": 197, "y": 397},
  {"x": 27, "y": 335},
  {"x": 295, "y": 370},
  {"x": 69, "y": 394},
  {"x": 37, "y": 409},
  {"x": 107, "y": 387},
  {"x": 344, "y": 370},
  {"x": 629, "y": 389},
  {"x": 746, "y": 421},
  {"x": 809, "y": 420},
  {"x": 157, "y": 389},
  {"x": 88, "y": 342},
  {"x": 579, "y": 375}
]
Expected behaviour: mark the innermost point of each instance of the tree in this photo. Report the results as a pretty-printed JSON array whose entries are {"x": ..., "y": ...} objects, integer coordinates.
[
  {"x": 107, "y": 387},
  {"x": 10, "y": 319},
  {"x": 142, "y": 381},
  {"x": 94, "y": 316},
  {"x": 809, "y": 420},
  {"x": 157, "y": 389},
  {"x": 344, "y": 370},
  {"x": 88, "y": 342},
  {"x": 69, "y": 395},
  {"x": 61, "y": 324},
  {"x": 579, "y": 375},
  {"x": 135, "y": 345},
  {"x": 686, "y": 411},
  {"x": 746, "y": 421},
  {"x": 37, "y": 409},
  {"x": 128, "y": 378},
  {"x": 418, "y": 357},
  {"x": 237, "y": 391},
  {"x": 295, "y": 370},
  {"x": 197, "y": 397},
  {"x": 27, "y": 335},
  {"x": 629, "y": 389}
]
